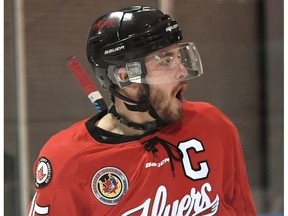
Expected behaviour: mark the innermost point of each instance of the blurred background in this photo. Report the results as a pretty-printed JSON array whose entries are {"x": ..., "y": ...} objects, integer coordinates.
[{"x": 241, "y": 45}]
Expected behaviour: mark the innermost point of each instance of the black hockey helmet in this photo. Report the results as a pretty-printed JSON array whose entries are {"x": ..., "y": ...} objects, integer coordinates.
[
  {"x": 122, "y": 36},
  {"x": 124, "y": 39}
]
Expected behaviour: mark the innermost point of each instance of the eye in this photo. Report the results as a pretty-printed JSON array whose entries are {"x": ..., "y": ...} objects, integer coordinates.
[{"x": 166, "y": 61}]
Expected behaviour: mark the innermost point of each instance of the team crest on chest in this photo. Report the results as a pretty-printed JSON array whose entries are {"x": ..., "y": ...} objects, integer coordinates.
[
  {"x": 43, "y": 173},
  {"x": 109, "y": 184}
]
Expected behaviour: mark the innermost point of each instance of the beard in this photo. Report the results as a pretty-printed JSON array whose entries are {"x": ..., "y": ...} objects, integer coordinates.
[{"x": 160, "y": 100}]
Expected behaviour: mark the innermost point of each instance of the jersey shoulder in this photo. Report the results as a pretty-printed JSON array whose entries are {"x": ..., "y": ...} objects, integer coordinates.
[
  {"x": 66, "y": 139},
  {"x": 66, "y": 145},
  {"x": 206, "y": 113},
  {"x": 61, "y": 153}
]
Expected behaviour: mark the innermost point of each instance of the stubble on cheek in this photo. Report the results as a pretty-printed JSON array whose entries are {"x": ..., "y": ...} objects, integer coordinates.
[{"x": 160, "y": 100}]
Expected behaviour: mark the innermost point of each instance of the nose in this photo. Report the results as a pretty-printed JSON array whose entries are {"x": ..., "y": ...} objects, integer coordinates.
[{"x": 182, "y": 72}]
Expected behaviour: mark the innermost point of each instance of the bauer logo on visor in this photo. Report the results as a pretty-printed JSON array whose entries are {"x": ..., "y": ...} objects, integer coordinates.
[{"x": 170, "y": 28}]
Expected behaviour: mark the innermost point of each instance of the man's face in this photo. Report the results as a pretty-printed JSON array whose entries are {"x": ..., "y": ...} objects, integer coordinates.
[{"x": 166, "y": 96}]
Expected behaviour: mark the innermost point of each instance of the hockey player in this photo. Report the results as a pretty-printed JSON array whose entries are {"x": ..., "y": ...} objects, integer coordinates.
[{"x": 152, "y": 152}]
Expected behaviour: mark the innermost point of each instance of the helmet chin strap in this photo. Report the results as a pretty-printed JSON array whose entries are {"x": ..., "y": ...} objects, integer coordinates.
[{"x": 142, "y": 105}]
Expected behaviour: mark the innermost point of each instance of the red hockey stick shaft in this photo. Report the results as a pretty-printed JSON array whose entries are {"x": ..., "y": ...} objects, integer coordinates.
[{"x": 86, "y": 83}]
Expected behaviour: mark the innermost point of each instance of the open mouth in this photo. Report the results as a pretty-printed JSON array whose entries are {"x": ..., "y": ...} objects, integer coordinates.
[{"x": 180, "y": 93}]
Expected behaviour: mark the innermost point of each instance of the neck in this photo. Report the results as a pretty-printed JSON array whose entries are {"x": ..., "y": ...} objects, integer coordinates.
[
  {"x": 111, "y": 121},
  {"x": 132, "y": 116}
]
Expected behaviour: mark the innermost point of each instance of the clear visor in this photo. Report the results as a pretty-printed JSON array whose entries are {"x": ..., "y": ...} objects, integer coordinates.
[{"x": 175, "y": 63}]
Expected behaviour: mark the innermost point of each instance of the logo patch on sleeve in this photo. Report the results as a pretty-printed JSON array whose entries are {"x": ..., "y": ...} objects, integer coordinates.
[
  {"x": 43, "y": 173},
  {"x": 109, "y": 184}
]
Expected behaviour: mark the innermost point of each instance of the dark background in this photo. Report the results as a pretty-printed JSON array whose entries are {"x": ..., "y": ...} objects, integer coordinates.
[{"x": 241, "y": 46}]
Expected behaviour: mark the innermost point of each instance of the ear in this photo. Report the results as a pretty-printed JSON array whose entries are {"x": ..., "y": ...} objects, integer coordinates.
[{"x": 122, "y": 74}]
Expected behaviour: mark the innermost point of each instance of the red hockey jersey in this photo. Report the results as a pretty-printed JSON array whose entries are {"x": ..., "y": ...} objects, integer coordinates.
[{"x": 194, "y": 167}]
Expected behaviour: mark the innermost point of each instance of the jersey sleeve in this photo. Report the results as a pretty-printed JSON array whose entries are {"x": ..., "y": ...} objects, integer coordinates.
[
  {"x": 58, "y": 188},
  {"x": 236, "y": 189},
  {"x": 242, "y": 201}
]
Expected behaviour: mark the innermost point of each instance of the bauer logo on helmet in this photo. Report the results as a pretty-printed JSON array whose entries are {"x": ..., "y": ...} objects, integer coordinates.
[{"x": 113, "y": 50}]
